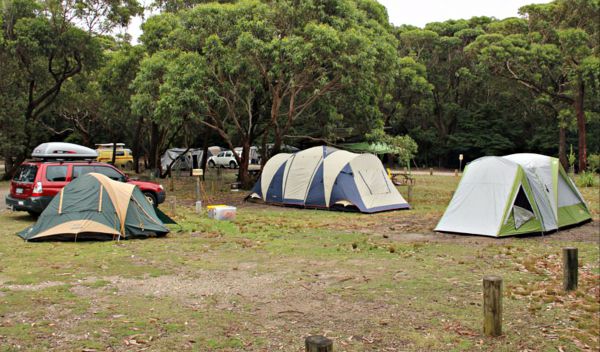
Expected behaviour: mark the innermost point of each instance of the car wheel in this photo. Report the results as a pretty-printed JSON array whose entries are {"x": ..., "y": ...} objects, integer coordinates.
[
  {"x": 211, "y": 164},
  {"x": 151, "y": 198},
  {"x": 232, "y": 164}
]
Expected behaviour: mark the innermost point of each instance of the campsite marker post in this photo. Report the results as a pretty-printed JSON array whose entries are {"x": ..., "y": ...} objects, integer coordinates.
[
  {"x": 460, "y": 159},
  {"x": 492, "y": 305},
  {"x": 570, "y": 268},
  {"x": 198, "y": 173},
  {"x": 318, "y": 343},
  {"x": 173, "y": 205}
]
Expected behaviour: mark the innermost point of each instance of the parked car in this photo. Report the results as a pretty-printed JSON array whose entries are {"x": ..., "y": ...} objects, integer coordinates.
[
  {"x": 123, "y": 156},
  {"x": 223, "y": 159},
  {"x": 36, "y": 182}
]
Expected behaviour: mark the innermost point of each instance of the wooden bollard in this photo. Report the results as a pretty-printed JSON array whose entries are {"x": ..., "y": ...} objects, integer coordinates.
[
  {"x": 492, "y": 305},
  {"x": 455, "y": 172},
  {"x": 410, "y": 193},
  {"x": 171, "y": 184},
  {"x": 318, "y": 343},
  {"x": 430, "y": 171},
  {"x": 570, "y": 268},
  {"x": 173, "y": 205}
]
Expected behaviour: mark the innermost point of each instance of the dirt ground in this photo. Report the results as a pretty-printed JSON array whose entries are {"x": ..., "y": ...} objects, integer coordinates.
[{"x": 381, "y": 282}]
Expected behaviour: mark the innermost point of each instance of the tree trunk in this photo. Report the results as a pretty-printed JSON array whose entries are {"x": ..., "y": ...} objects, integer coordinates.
[
  {"x": 204, "y": 153},
  {"x": 277, "y": 143},
  {"x": 562, "y": 148},
  {"x": 580, "y": 113},
  {"x": 9, "y": 168},
  {"x": 114, "y": 153},
  {"x": 136, "y": 145},
  {"x": 154, "y": 142},
  {"x": 265, "y": 153},
  {"x": 244, "y": 175}
]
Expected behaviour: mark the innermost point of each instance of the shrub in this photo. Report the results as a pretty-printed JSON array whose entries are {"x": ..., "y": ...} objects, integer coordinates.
[
  {"x": 586, "y": 179},
  {"x": 594, "y": 162}
]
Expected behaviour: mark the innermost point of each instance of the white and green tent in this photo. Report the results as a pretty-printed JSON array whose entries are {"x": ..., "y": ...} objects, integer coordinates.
[{"x": 514, "y": 194}]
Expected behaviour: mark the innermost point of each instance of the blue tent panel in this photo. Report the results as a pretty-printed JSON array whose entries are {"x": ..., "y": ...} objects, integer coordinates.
[
  {"x": 275, "y": 190},
  {"x": 316, "y": 191},
  {"x": 344, "y": 188},
  {"x": 257, "y": 188}
]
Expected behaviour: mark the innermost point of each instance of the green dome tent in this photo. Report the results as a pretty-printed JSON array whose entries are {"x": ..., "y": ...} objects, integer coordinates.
[
  {"x": 94, "y": 207},
  {"x": 512, "y": 195}
]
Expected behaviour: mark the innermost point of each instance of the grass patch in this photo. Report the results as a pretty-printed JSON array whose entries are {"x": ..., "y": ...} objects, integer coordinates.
[{"x": 275, "y": 275}]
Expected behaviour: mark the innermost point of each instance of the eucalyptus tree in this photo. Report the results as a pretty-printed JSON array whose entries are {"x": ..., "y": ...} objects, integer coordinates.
[
  {"x": 268, "y": 67},
  {"x": 47, "y": 43},
  {"x": 552, "y": 51},
  {"x": 444, "y": 83}
]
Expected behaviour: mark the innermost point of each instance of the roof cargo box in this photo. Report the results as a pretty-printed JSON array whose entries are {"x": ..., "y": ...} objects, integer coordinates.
[{"x": 63, "y": 151}]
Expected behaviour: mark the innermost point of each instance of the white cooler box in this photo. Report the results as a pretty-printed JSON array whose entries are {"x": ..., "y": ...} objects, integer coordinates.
[{"x": 223, "y": 212}]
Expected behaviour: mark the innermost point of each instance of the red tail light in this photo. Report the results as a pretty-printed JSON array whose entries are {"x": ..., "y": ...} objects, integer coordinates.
[{"x": 37, "y": 188}]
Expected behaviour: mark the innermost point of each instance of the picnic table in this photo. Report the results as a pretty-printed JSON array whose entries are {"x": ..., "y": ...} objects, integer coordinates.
[{"x": 401, "y": 178}]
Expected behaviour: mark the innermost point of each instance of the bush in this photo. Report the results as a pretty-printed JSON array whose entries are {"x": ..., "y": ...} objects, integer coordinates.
[
  {"x": 586, "y": 179},
  {"x": 594, "y": 162}
]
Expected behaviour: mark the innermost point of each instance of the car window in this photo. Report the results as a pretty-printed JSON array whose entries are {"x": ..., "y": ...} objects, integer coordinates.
[
  {"x": 220, "y": 155},
  {"x": 228, "y": 154},
  {"x": 25, "y": 173},
  {"x": 56, "y": 173},
  {"x": 81, "y": 170},
  {"x": 109, "y": 172}
]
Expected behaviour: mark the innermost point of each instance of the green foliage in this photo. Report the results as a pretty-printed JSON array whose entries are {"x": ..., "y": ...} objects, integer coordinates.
[
  {"x": 571, "y": 158},
  {"x": 587, "y": 179},
  {"x": 404, "y": 147},
  {"x": 298, "y": 72},
  {"x": 43, "y": 46},
  {"x": 594, "y": 162}
]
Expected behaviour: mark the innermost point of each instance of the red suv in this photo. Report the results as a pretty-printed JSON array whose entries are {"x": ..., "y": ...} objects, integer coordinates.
[{"x": 36, "y": 182}]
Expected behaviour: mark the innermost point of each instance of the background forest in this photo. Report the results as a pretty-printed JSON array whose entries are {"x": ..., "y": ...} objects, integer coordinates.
[{"x": 299, "y": 72}]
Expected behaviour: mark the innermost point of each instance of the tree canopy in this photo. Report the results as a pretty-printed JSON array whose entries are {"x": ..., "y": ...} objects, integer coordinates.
[{"x": 299, "y": 72}]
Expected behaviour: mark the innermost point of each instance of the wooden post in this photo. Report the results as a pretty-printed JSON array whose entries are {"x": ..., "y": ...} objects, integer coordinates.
[
  {"x": 318, "y": 343},
  {"x": 171, "y": 184},
  {"x": 492, "y": 305},
  {"x": 197, "y": 188},
  {"x": 173, "y": 205},
  {"x": 430, "y": 171},
  {"x": 570, "y": 268},
  {"x": 410, "y": 191},
  {"x": 455, "y": 172}
]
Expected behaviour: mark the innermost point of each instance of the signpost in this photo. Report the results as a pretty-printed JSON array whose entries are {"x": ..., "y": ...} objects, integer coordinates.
[
  {"x": 198, "y": 173},
  {"x": 460, "y": 159}
]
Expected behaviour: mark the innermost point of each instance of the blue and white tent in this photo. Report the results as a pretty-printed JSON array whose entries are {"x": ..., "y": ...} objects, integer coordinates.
[{"x": 325, "y": 177}]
